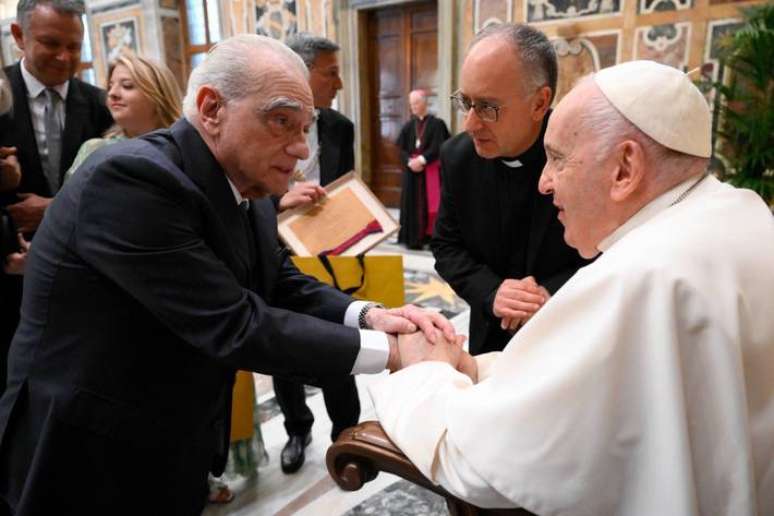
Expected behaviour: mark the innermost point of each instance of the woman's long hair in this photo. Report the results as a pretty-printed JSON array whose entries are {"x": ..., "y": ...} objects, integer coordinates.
[{"x": 156, "y": 82}]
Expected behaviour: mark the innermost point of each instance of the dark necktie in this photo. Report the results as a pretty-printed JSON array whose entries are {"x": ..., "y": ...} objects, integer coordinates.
[
  {"x": 53, "y": 139},
  {"x": 247, "y": 217}
]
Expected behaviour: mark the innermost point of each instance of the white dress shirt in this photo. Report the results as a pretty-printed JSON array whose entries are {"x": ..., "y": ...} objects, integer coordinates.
[
  {"x": 310, "y": 167},
  {"x": 37, "y": 102},
  {"x": 374, "y": 347}
]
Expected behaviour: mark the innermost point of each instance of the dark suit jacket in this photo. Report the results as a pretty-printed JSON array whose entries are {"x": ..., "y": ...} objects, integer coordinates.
[
  {"x": 467, "y": 242},
  {"x": 145, "y": 290},
  {"x": 337, "y": 137},
  {"x": 86, "y": 116}
]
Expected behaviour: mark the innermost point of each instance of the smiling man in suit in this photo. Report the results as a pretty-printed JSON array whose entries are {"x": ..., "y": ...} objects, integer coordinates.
[
  {"x": 53, "y": 114},
  {"x": 331, "y": 155},
  {"x": 155, "y": 275}
]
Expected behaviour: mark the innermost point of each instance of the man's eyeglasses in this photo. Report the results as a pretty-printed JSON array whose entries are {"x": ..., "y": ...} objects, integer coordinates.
[{"x": 485, "y": 111}]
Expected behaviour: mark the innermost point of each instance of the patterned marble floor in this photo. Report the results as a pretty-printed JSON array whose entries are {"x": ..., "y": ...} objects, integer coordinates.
[{"x": 311, "y": 491}]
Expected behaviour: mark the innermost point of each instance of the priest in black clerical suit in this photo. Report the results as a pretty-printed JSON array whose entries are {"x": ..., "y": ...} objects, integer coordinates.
[
  {"x": 497, "y": 240},
  {"x": 420, "y": 142}
]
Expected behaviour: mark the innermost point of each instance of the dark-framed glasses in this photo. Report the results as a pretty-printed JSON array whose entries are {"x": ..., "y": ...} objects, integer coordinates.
[{"x": 485, "y": 111}]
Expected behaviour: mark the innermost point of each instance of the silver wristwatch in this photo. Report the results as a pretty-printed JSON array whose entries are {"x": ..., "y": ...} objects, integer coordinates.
[{"x": 361, "y": 319}]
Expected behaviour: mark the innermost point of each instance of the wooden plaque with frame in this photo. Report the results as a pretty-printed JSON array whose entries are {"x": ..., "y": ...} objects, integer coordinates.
[{"x": 348, "y": 208}]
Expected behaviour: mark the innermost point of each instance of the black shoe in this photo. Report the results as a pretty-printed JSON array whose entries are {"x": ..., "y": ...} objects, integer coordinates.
[{"x": 292, "y": 457}]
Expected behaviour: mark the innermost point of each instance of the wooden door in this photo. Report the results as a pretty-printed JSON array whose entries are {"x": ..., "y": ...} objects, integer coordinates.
[{"x": 403, "y": 56}]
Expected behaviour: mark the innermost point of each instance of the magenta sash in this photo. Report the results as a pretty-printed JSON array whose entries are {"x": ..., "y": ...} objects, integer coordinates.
[{"x": 433, "y": 188}]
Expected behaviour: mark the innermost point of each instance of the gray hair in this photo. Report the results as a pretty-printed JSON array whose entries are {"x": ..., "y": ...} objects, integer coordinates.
[
  {"x": 25, "y": 7},
  {"x": 237, "y": 67},
  {"x": 309, "y": 46},
  {"x": 609, "y": 128},
  {"x": 533, "y": 49},
  {"x": 6, "y": 96}
]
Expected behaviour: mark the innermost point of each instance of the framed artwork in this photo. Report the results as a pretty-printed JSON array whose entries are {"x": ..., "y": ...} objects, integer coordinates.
[
  {"x": 349, "y": 221},
  {"x": 118, "y": 35},
  {"x": 112, "y": 31}
]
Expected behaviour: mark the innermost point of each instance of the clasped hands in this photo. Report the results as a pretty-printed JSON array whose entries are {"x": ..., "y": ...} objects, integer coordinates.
[
  {"x": 516, "y": 301},
  {"x": 416, "y": 164},
  {"x": 421, "y": 336}
]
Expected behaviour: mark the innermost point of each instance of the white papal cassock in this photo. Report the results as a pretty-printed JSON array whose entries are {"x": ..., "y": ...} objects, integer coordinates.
[{"x": 645, "y": 386}]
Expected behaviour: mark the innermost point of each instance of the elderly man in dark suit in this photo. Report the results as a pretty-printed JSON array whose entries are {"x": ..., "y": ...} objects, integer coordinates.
[
  {"x": 53, "y": 114},
  {"x": 152, "y": 279},
  {"x": 332, "y": 155},
  {"x": 498, "y": 241}
]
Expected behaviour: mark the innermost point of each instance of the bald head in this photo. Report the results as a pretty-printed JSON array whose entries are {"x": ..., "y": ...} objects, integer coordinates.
[{"x": 418, "y": 103}]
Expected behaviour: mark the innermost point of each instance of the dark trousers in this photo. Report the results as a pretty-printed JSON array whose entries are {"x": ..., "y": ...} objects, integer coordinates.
[
  {"x": 10, "y": 301},
  {"x": 341, "y": 403}
]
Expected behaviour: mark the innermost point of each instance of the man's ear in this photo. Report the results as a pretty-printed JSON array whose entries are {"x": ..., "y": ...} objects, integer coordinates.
[
  {"x": 540, "y": 103},
  {"x": 209, "y": 104},
  {"x": 18, "y": 35},
  {"x": 629, "y": 170}
]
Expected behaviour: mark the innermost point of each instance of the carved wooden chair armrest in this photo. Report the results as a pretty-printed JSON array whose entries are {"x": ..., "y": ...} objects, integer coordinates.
[{"x": 362, "y": 451}]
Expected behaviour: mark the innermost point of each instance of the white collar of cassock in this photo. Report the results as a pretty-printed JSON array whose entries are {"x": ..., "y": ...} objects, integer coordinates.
[
  {"x": 649, "y": 211},
  {"x": 513, "y": 163}
]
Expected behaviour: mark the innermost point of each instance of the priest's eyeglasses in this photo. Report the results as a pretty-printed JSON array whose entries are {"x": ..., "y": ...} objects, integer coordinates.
[{"x": 485, "y": 111}]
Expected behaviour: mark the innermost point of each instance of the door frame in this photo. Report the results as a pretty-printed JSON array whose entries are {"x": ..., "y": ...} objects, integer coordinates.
[{"x": 353, "y": 100}]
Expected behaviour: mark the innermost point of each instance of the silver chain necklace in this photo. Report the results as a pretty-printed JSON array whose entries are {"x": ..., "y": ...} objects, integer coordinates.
[{"x": 689, "y": 189}]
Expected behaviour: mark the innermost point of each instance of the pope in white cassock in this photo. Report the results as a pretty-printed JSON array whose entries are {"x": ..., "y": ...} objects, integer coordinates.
[{"x": 645, "y": 386}]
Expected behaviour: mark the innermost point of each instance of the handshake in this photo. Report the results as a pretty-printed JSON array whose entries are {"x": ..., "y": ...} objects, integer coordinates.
[{"x": 416, "y": 335}]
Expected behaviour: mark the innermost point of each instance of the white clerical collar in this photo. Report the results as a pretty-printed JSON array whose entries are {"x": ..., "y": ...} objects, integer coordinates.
[
  {"x": 512, "y": 163},
  {"x": 35, "y": 87},
  {"x": 237, "y": 196},
  {"x": 649, "y": 211}
]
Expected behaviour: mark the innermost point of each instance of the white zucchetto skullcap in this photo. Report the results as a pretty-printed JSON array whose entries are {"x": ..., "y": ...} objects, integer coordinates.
[{"x": 662, "y": 102}]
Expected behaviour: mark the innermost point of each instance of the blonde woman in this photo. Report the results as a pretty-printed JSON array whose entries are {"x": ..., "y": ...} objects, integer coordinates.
[{"x": 142, "y": 96}]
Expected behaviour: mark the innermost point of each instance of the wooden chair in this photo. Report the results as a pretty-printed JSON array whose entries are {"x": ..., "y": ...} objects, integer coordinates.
[{"x": 362, "y": 451}]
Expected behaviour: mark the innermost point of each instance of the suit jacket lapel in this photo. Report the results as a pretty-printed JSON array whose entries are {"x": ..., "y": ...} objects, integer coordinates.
[
  {"x": 329, "y": 149},
  {"x": 200, "y": 165},
  {"x": 33, "y": 179},
  {"x": 76, "y": 116}
]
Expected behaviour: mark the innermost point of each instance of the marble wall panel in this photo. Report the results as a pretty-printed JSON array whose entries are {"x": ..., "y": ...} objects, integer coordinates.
[
  {"x": 582, "y": 55},
  {"x": 555, "y": 10},
  {"x": 668, "y": 44},
  {"x": 10, "y": 52},
  {"x": 113, "y": 31},
  {"x": 173, "y": 50},
  {"x": 491, "y": 11},
  {"x": 649, "y": 6},
  {"x": 276, "y": 18}
]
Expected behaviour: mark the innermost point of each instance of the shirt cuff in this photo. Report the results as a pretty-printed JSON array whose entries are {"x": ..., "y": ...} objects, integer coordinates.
[
  {"x": 374, "y": 352},
  {"x": 352, "y": 315}
]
